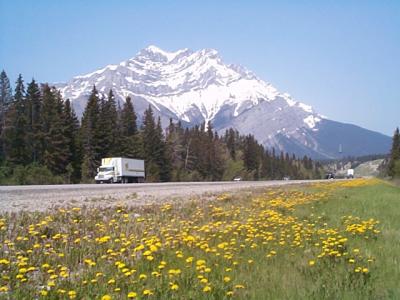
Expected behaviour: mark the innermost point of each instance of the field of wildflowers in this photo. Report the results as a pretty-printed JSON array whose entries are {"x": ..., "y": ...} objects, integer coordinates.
[{"x": 273, "y": 243}]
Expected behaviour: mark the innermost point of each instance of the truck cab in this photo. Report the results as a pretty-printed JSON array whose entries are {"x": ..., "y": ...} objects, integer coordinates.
[{"x": 106, "y": 174}]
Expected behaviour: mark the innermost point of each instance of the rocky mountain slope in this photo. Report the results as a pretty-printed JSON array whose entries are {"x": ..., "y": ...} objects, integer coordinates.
[{"x": 197, "y": 86}]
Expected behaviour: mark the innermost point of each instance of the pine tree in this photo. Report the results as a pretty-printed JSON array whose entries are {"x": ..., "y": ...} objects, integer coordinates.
[
  {"x": 215, "y": 164},
  {"x": 34, "y": 128},
  {"x": 129, "y": 118},
  {"x": 14, "y": 132},
  {"x": 231, "y": 143},
  {"x": 394, "y": 160},
  {"x": 162, "y": 161},
  {"x": 55, "y": 143},
  {"x": 5, "y": 100},
  {"x": 250, "y": 153},
  {"x": 175, "y": 150},
  {"x": 71, "y": 132},
  {"x": 130, "y": 140},
  {"x": 151, "y": 145},
  {"x": 91, "y": 137},
  {"x": 198, "y": 152},
  {"x": 5, "y": 96},
  {"x": 109, "y": 127}
]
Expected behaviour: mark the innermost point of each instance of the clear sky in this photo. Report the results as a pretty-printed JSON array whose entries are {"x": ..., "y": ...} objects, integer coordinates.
[{"x": 341, "y": 57}]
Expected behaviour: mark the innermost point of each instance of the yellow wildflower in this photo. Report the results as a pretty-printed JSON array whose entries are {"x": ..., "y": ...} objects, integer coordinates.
[{"x": 207, "y": 289}]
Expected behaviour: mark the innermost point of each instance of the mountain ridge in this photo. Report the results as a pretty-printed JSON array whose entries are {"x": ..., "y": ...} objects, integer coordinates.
[{"x": 197, "y": 86}]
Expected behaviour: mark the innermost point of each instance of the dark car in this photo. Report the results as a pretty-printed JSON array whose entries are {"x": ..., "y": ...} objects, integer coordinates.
[{"x": 330, "y": 176}]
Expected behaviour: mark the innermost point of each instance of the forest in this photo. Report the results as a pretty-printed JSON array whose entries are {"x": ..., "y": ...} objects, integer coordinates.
[{"x": 42, "y": 141}]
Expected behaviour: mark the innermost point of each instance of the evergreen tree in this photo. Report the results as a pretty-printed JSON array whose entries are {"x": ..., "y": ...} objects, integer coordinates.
[
  {"x": 163, "y": 163},
  {"x": 215, "y": 163},
  {"x": 130, "y": 139},
  {"x": 394, "y": 160},
  {"x": 34, "y": 128},
  {"x": 153, "y": 148},
  {"x": 91, "y": 137},
  {"x": 265, "y": 171},
  {"x": 250, "y": 158},
  {"x": 55, "y": 144},
  {"x": 129, "y": 118},
  {"x": 108, "y": 127},
  {"x": 14, "y": 132},
  {"x": 71, "y": 132},
  {"x": 5, "y": 100},
  {"x": 231, "y": 143},
  {"x": 5, "y": 96},
  {"x": 198, "y": 152},
  {"x": 175, "y": 150}
]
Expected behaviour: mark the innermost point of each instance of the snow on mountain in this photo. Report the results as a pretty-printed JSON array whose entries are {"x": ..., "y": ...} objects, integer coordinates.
[
  {"x": 183, "y": 81},
  {"x": 196, "y": 87}
]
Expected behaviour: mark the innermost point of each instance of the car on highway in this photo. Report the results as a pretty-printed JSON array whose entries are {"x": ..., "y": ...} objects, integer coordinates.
[{"x": 330, "y": 176}]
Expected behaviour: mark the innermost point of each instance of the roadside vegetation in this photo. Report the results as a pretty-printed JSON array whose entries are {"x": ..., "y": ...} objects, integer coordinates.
[
  {"x": 43, "y": 141},
  {"x": 335, "y": 240},
  {"x": 393, "y": 166}
]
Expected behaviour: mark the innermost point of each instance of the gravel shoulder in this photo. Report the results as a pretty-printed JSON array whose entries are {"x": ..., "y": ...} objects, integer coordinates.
[{"x": 44, "y": 197}]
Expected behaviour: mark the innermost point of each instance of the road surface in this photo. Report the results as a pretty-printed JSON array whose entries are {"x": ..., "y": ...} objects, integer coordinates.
[{"x": 42, "y": 197}]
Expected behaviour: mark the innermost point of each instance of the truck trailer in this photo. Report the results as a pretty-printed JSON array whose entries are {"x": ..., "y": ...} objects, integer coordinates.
[{"x": 120, "y": 170}]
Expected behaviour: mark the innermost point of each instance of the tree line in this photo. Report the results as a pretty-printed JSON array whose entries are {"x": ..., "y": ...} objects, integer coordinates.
[
  {"x": 43, "y": 141},
  {"x": 393, "y": 165}
]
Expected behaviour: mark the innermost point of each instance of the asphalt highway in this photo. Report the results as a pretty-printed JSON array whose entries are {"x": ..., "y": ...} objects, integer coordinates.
[{"x": 42, "y": 197}]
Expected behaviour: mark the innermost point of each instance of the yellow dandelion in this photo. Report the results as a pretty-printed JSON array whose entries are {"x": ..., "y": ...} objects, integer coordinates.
[
  {"x": 142, "y": 276},
  {"x": 207, "y": 289},
  {"x": 132, "y": 295},
  {"x": 147, "y": 292},
  {"x": 239, "y": 286},
  {"x": 4, "y": 288},
  {"x": 72, "y": 294}
]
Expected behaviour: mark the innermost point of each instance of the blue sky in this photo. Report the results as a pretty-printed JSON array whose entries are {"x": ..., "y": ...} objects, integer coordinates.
[{"x": 341, "y": 57}]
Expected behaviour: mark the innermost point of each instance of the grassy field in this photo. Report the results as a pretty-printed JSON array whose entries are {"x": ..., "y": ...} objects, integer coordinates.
[{"x": 337, "y": 240}]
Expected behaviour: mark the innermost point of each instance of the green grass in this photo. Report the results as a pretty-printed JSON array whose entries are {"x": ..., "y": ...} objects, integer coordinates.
[{"x": 287, "y": 279}]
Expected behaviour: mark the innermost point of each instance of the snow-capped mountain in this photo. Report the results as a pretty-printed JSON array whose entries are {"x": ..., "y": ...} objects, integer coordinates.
[{"x": 197, "y": 87}]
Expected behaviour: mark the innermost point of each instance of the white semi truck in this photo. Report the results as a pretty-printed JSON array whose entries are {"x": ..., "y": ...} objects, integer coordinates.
[
  {"x": 350, "y": 173},
  {"x": 120, "y": 169}
]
